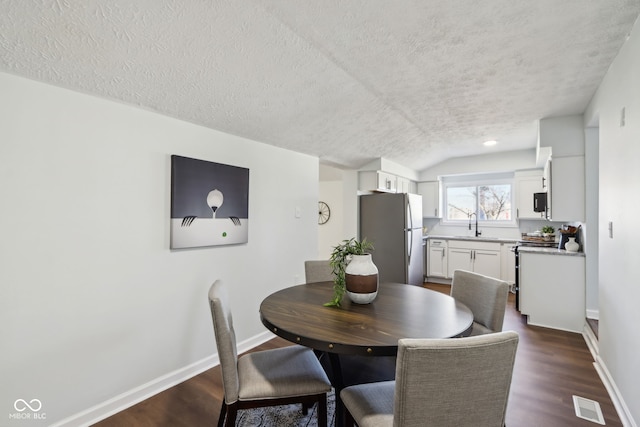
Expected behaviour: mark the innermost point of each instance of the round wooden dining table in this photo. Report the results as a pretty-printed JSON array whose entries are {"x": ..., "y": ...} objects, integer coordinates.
[{"x": 297, "y": 314}]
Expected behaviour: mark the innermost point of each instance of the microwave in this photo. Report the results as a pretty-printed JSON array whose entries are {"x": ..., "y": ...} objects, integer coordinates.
[{"x": 539, "y": 202}]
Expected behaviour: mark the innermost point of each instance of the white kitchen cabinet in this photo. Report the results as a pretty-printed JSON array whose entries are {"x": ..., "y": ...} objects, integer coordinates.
[
  {"x": 568, "y": 188},
  {"x": 552, "y": 290},
  {"x": 437, "y": 258},
  {"x": 384, "y": 181},
  {"x": 508, "y": 263},
  {"x": 487, "y": 262},
  {"x": 528, "y": 183},
  {"x": 459, "y": 259},
  {"x": 430, "y": 192},
  {"x": 402, "y": 185},
  {"x": 479, "y": 257},
  {"x": 376, "y": 181}
]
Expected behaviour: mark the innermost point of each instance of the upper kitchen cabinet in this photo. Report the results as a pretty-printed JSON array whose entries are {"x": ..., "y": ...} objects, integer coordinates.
[
  {"x": 404, "y": 185},
  {"x": 568, "y": 188},
  {"x": 563, "y": 137},
  {"x": 528, "y": 183},
  {"x": 430, "y": 192},
  {"x": 376, "y": 181},
  {"x": 384, "y": 181}
]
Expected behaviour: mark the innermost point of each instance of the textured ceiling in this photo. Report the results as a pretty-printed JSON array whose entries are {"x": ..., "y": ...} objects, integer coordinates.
[{"x": 415, "y": 82}]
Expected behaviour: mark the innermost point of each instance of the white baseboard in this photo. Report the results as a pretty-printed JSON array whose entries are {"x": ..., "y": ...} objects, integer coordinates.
[
  {"x": 576, "y": 329},
  {"x": 621, "y": 407},
  {"x": 439, "y": 280},
  {"x": 591, "y": 340},
  {"x": 607, "y": 380},
  {"x": 593, "y": 314},
  {"x": 138, "y": 394}
]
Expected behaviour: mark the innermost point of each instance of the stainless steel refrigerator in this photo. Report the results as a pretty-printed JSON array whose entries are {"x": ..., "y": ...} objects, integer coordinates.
[{"x": 393, "y": 223}]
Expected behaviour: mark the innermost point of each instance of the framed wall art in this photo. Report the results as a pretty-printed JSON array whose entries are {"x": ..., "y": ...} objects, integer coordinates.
[{"x": 209, "y": 203}]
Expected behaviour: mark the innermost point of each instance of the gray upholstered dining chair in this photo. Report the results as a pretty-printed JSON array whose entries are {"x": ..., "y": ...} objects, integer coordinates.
[
  {"x": 485, "y": 296},
  {"x": 263, "y": 378},
  {"x": 456, "y": 382},
  {"x": 318, "y": 271}
]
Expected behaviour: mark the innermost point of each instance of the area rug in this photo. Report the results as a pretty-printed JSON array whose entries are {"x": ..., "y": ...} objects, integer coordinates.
[{"x": 287, "y": 415}]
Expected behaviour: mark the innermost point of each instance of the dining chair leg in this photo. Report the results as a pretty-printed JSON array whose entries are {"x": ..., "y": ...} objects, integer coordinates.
[
  {"x": 223, "y": 412},
  {"x": 232, "y": 414},
  {"x": 322, "y": 411}
]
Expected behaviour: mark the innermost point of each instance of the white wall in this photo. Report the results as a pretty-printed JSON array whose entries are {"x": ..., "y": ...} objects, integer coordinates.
[
  {"x": 564, "y": 134},
  {"x": 338, "y": 188},
  {"x": 331, "y": 233},
  {"x": 94, "y": 306},
  {"x": 590, "y": 228},
  {"x": 619, "y": 296},
  {"x": 503, "y": 161}
]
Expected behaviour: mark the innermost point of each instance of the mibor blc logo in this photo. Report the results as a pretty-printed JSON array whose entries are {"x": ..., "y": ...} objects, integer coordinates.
[{"x": 27, "y": 410}]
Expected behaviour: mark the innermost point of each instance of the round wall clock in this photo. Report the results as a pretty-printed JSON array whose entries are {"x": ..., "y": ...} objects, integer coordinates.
[{"x": 324, "y": 213}]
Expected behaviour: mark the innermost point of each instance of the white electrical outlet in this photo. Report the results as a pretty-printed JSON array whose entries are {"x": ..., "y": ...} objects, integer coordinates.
[
  {"x": 298, "y": 212},
  {"x": 622, "y": 117}
]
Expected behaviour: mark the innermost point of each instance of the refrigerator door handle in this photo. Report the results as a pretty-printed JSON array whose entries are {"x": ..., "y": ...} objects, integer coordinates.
[
  {"x": 410, "y": 242},
  {"x": 410, "y": 214}
]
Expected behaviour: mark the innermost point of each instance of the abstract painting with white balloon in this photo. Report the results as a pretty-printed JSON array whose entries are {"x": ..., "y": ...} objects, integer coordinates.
[{"x": 209, "y": 203}]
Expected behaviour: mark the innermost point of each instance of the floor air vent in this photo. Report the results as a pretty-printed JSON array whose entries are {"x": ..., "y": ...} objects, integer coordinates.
[{"x": 588, "y": 410}]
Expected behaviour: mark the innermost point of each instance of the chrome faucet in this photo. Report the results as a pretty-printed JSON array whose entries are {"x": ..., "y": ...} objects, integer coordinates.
[{"x": 478, "y": 233}]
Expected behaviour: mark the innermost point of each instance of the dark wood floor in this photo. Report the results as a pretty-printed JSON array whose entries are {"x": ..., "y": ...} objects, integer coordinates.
[{"x": 551, "y": 366}]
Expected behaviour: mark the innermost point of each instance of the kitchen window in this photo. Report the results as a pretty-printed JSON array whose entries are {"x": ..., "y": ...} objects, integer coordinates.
[{"x": 488, "y": 196}]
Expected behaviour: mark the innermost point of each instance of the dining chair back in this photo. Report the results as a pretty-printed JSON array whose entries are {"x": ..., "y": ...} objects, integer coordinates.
[
  {"x": 279, "y": 376},
  {"x": 485, "y": 296},
  {"x": 318, "y": 271},
  {"x": 460, "y": 382}
]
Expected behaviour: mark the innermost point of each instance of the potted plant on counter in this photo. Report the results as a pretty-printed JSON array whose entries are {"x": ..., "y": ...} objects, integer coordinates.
[
  {"x": 547, "y": 232},
  {"x": 341, "y": 256}
]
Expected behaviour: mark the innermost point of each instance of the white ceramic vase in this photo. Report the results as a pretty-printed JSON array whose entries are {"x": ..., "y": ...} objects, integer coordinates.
[
  {"x": 572, "y": 245},
  {"x": 361, "y": 279}
]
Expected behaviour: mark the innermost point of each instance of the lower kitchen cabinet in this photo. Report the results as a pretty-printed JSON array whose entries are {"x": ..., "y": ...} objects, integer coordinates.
[
  {"x": 508, "y": 263},
  {"x": 479, "y": 257},
  {"x": 552, "y": 290},
  {"x": 437, "y": 258},
  {"x": 460, "y": 259}
]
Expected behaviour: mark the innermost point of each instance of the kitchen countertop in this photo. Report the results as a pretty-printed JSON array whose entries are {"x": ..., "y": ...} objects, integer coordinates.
[
  {"x": 548, "y": 251},
  {"x": 472, "y": 239}
]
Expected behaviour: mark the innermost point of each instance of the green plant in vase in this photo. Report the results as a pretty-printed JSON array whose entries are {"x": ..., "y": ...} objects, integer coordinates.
[
  {"x": 340, "y": 257},
  {"x": 547, "y": 229}
]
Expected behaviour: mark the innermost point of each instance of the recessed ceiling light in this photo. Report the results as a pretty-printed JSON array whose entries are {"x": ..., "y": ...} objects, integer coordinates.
[{"x": 490, "y": 143}]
